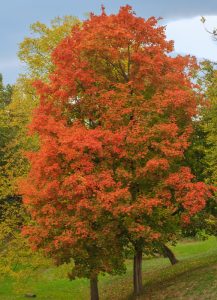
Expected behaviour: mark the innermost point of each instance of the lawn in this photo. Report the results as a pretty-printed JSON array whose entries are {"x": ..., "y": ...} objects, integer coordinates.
[{"x": 194, "y": 277}]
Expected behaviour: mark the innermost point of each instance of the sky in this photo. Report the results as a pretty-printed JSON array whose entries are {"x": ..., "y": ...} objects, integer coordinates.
[{"x": 181, "y": 17}]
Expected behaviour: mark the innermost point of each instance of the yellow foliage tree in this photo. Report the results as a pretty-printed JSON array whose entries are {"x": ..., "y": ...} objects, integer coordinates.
[{"x": 35, "y": 52}]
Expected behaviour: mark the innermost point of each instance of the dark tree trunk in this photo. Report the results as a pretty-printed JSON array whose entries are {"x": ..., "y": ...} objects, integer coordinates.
[
  {"x": 137, "y": 273},
  {"x": 168, "y": 253},
  {"x": 94, "y": 293}
]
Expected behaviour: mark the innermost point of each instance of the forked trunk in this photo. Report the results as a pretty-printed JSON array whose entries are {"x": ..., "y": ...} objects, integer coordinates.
[
  {"x": 94, "y": 293},
  {"x": 168, "y": 253},
  {"x": 137, "y": 273}
]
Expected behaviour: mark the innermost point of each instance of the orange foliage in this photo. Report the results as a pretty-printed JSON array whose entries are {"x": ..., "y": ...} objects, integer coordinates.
[{"x": 114, "y": 122}]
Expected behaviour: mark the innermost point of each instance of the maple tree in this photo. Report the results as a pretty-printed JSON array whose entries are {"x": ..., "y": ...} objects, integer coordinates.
[{"x": 114, "y": 121}]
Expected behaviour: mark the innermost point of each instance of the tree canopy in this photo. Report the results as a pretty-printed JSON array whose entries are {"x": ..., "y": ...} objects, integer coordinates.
[{"x": 114, "y": 121}]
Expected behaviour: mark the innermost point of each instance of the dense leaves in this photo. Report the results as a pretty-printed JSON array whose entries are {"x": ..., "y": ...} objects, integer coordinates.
[
  {"x": 114, "y": 122},
  {"x": 16, "y": 106}
]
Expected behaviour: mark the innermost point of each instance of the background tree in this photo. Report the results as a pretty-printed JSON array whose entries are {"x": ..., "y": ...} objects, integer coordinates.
[
  {"x": 16, "y": 106},
  {"x": 5, "y": 132},
  {"x": 5, "y": 93},
  {"x": 35, "y": 53},
  {"x": 200, "y": 155}
]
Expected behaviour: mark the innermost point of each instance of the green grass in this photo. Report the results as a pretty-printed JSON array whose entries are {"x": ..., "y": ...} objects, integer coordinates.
[{"x": 194, "y": 277}]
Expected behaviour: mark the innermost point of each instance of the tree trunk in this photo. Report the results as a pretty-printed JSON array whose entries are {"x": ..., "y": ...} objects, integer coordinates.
[
  {"x": 94, "y": 293},
  {"x": 137, "y": 273},
  {"x": 168, "y": 253}
]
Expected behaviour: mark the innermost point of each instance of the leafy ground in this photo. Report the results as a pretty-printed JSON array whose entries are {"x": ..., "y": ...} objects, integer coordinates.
[{"x": 194, "y": 277}]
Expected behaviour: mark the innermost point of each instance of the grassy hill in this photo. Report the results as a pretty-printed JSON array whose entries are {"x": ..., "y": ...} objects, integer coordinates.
[{"x": 194, "y": 277}]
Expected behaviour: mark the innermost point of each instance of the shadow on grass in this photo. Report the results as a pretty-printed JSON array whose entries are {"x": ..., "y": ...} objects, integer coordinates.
[{"x": 170, "y": 275}]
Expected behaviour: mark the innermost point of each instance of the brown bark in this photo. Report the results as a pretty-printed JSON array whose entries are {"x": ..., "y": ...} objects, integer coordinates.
[
  {"x": 168, "y": 253},
  {"x": 137, "y": 273},
  {"x": 94, "y": 293}
]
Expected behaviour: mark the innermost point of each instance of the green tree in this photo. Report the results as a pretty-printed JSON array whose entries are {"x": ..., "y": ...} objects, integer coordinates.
[
  {"x": 5, "y": 93},
  {"x": 201, "y": 156}
]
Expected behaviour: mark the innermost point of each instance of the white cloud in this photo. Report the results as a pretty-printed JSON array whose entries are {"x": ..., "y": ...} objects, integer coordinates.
[{"x": 190, "y": 37}]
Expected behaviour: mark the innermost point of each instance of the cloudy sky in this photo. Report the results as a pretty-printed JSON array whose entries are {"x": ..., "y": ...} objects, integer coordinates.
[{"x": 182, "y": 19}]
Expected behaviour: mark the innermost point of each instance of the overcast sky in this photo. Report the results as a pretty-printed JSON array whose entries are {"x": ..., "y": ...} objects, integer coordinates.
[{"x": 182, "y": 19}]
